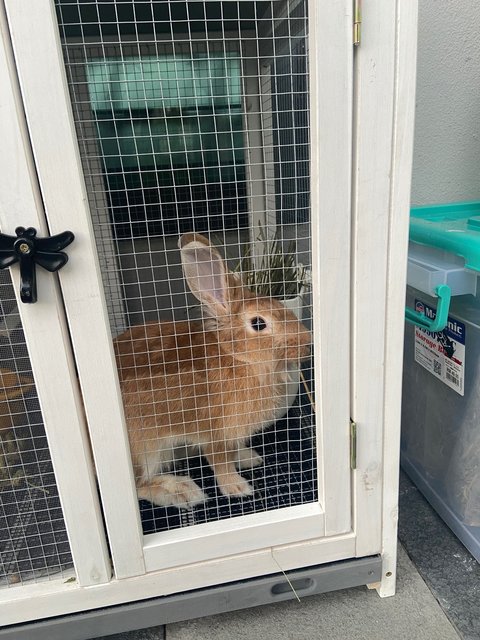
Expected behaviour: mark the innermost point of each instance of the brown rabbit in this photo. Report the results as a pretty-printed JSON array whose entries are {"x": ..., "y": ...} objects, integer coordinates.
[{"x": 210, "y": 384}]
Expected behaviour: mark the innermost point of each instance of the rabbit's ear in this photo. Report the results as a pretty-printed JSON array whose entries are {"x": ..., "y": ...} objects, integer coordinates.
[{"x": 205, "y": 272}]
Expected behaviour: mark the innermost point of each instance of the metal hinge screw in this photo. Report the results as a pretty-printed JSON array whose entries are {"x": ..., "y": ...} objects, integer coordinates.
[{"x": 24, "y": 248}]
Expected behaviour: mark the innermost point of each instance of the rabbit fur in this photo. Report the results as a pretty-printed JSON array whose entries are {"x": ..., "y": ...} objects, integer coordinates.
[{"x": 210, "y": 384}]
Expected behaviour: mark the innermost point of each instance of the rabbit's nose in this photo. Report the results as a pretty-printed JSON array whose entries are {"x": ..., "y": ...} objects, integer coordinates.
[
  {"x": 297, "y": 352},
  {"x": 306, "y": 344},
  {"x": 305, "y": 351}
]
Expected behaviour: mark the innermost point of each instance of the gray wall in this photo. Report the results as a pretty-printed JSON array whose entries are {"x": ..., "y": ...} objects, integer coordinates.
[{"x": 446, "y": 164}]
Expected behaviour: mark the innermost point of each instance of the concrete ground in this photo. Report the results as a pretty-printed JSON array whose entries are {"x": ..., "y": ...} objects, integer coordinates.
[{"x": 353, "y": 614}]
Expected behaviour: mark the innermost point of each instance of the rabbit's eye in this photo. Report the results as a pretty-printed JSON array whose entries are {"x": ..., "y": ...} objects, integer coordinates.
[{"x": 258, "y": 323}]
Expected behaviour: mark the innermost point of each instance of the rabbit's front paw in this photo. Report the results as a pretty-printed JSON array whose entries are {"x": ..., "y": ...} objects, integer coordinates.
[
  {"x": 248, "y": 458},
  {"x": 234, "y": 485},
  {"x": 168, "y": 490}
]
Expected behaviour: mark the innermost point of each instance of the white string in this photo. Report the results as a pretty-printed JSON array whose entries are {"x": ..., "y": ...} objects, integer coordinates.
[{"x": 285, "y": 575}]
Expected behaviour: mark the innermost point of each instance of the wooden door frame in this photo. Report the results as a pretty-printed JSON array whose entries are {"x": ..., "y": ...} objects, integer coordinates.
[
  {"x": 42, "y": 73},
  {"x": 385, "y": 82},
  {"x": 48, "y": 342}
]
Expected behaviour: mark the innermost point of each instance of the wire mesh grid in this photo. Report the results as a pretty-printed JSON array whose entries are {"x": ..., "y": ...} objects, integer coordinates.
[
  {"x": 33, "y": 539},
  {"x": 193, "y": 117}
]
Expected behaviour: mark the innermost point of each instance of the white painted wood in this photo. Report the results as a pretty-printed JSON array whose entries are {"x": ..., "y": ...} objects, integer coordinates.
[
  {"x": 45, "y": 95},
  {"x": 266, "y": 107},
  {"x": 48, "y": 341},
  {"x": 402, "y": 153},
  {"x": 253, "y": 147},
  {"x": 385, "y": 80},
  {"x": 375, "y": 76},
  {"x": 330, "y": 25},
  {"x": 57, "y": 598},
  {"x": 95, "y": 190},
  {"x": 232, "y": 536}
]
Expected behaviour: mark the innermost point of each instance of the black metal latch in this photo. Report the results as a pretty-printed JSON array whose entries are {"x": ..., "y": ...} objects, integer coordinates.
[{"x": 29, "y": 250}]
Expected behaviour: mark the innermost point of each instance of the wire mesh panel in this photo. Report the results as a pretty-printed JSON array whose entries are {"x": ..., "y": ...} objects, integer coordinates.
[
  {"x": 33, "y": 539},
  {"x": 192, "y": 122}
]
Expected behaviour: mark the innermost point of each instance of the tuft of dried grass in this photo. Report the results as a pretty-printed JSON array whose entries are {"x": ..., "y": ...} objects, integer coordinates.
[{"x": 275, "y": 273}]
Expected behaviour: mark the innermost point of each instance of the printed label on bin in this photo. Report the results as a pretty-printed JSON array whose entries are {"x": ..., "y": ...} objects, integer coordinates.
[{"x": 442, "y": 352}]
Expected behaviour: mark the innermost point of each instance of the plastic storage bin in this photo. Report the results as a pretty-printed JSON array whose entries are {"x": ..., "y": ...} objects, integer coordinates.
[{"x": 441, "y": 392}]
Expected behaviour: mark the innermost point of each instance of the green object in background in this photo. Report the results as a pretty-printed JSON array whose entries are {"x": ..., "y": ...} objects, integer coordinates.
[
  {"x": 452, "y": 227},
  {"x": 171, "y": 139},
  {"x": 170, "y": 112}
]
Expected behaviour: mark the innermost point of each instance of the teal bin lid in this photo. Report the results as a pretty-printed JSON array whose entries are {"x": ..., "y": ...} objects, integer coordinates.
[{"x": 452, "y": 227}]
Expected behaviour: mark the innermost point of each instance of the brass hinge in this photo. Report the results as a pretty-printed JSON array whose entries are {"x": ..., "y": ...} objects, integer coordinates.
[
  {"x": 357, "y": 22},
  {"x": 353, "y": 444}
]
